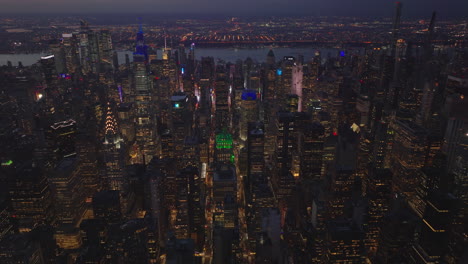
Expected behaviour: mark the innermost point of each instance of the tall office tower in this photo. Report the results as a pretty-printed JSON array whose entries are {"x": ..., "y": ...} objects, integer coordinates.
[
  {"x": 383, "y": 143},
  {"x": 145, "y": 120},
  {"x": 364, "y": 154},
  {"x": 311, "y": 145},
  {"x": 285, "y": 139},
  {"x": 296, "y": 85},
  {"x": 434, "y": 235},
  {"x": 106, "y": 51},
  {"x": 181, "y": 121},
  {"x": 69, "y": 202},
  {"x": 61, "y": 138},
  {"x": 83, "y": 47},
  {"x": 86, "y": 149},
  {"x": 408, "y": 156},
  {"x": 455, "y": 147},
  {"x": 248, "y": 111},
  {"x": 270, "y": 60},
  {"x": 285, "y": 78},
  {"x": 155, "y": 198},
  {"x": 247, "y": 68},
  {"x": 257, "y": 189},
  {"x": 225, "y": 196},
  {"x": 269, "y": 103},
  {"x": 269, "y": 82},
  {"x": 196, "y": 206},
  {"x": 222, "y": 99},
  {"x": 69, "y": 45},
  {"x": 140, "y": 47},
  {"x": 224, "y": 145},
  {"x": 167, "y": 142},
  {"x": 456, "y": 135},
  {"x": 378, "y": 191},
  {"x": 341, "y": 183},
  {"x": 125, "y": 119},
  {"x": 49, "y": 71},
  {"x": 426, "y": 109},
  {"x": 428, "y": 49},
  {"x": 93, "y": 51},
  {"x": 343, "y": 174},
  {"x": 182, "y": 219},
  {"x": 207, "y": 73},
  {"x": 345, "y": 243},
  {"x": 114, "y": 153},
  {"x": 189, "y": 219},
  {"x": 30, "y": 196},
  {"x": 256, "y": 160},
  {"x": 396, "y": 85},
  {"x": 181, "y": 57},
  {"x": 191, "y": 153},
  {"x": 56, "y": 48},
  {"x": 191, "y": 61}
]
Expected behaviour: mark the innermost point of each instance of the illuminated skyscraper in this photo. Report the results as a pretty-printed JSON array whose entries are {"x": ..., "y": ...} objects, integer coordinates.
[
  {"x": 61, "y": 137},
  {"x": 225, "y": 196},
  {"x": 379, "y": 193},
  {"x": 222, "y": 99},
  {"x": 224, "y": 144},
  {"x": 145, "y": 120},
  {"x": 181, "y": 121},
  {"x": 408, "y": 156},
  {"x": 113, "y": 153},
  {"x": 69, "y": 202},
  {"x": 311, "y": 146},
  {"x": 30, "y": 196},
  {"x": 285, "y": 140},
  {"x": 248, "y": 111},
  {"x": 296, "y": 85}
]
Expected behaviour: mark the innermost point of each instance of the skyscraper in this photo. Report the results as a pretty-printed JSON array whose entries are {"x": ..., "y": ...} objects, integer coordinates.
[{"x": 145, "y": 120}]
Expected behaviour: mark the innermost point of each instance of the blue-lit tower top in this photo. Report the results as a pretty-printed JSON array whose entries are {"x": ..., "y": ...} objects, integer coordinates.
[{"x": 140, "y": 47}]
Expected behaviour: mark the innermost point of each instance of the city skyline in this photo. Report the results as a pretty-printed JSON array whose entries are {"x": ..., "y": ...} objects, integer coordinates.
[{"x": 235, "y": 140}]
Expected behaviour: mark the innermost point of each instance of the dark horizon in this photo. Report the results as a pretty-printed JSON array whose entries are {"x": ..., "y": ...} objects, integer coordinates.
[{"x": 452, "y": 9}]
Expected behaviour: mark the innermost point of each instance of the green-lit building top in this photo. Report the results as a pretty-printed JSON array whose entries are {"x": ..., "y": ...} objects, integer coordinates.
[{"x": 224, "y": 140}]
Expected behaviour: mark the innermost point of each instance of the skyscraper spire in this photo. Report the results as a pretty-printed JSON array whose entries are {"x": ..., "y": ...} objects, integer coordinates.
[
  {"x": 429, "y": 37},
  {"x": 396, "y": 27},
  {"x": 140, "y": 29},
  {"x": 140, "y": 47},
  {"x": 111, "y": 122}
]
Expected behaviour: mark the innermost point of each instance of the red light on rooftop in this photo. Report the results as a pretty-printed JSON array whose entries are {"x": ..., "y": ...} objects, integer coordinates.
[{"x": 335, "y": 134}]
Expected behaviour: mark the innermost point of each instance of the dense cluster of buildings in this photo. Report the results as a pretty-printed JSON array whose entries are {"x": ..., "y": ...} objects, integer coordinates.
[{"x": 170, "y": 159}]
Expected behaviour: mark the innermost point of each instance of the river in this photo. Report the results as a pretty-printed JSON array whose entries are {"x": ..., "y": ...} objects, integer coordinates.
[{"x": 225, "y": 54}]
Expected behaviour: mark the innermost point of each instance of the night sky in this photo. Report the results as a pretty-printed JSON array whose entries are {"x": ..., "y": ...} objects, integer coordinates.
[{"x": 367, "y": 8}]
